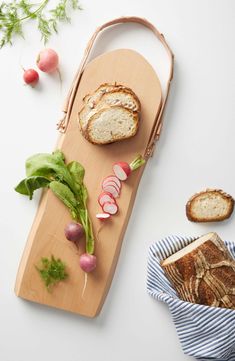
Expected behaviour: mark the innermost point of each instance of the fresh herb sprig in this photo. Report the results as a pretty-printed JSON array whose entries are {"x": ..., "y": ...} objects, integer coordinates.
[
  {"x": 52, "y": 271},
  {"x": 13, "y": 14}
]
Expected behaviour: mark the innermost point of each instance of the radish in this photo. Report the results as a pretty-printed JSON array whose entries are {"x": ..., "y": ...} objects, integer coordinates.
[
  {"x": 105, "y": 197},
  {"x": 31, "y": 76},
  {"x": 108, "y": 181},
  {"x": 48, "y": 60},
  {"x": 111, "y": 189},
  {"x": 122, "y": 169},
  {"x": 102, "y": 216},
  {"x": 87, "y": 262},
  {"x": 74, "y": 231},
  {"x": 111, "y": 183},
  {"x": 110, "y": 208},
  {"x": 114, "y": 179}
]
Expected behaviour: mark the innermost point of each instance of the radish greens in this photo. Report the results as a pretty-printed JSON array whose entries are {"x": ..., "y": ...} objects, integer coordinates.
[{"x": 65, "y": 181}]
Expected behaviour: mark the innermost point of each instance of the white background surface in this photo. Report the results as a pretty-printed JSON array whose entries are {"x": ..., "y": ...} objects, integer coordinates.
[{"x": 196, "y": 150}]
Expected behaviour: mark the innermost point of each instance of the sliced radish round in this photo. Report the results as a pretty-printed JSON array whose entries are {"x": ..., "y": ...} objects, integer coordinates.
[
  {"x": 111, "y": 183},
  {"x": 102, "y": 216},
  {"x": 122, "y": 170},
  {"x": 114, "y": 179},
  {"x": 105, "y": 197},
  {"x": 110, "y": 208},
  {"x": 111, "y": 189}
]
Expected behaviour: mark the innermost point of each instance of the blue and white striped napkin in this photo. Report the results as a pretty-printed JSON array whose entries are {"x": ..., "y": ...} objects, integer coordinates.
[{"x": 206, "y": 333}]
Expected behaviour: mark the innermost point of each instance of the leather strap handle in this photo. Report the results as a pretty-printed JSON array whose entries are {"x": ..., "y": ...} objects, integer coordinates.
[{"x": 67, "y": 108}]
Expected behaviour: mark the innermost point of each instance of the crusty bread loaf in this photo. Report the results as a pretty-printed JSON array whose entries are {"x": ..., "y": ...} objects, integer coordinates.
[
  {"x": 105, "y": 97},
  {"x": 209, "y": 206},
  {"x": 111, "y": 124},
  {"x": 203, "y": 272}
]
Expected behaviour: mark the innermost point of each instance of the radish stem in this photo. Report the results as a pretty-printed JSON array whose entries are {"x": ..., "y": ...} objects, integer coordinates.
[{"x": 137, "y": 162}]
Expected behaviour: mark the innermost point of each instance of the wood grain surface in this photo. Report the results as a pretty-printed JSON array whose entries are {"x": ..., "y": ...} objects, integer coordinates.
[{"x": 46, "y": 237}]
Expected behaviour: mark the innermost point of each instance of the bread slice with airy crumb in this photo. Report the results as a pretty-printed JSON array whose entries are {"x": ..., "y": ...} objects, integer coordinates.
[
  {"x": 120, "y": 97},
  {"x": 111, "y": 124},
  {"x": 211, "y": 205},
  {"x": 107, "y": 95},
  {"x": 90, "y": 101}
]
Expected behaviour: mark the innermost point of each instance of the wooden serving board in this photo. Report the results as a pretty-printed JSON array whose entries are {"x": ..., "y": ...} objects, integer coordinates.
[{"x": 46, "y": 237}]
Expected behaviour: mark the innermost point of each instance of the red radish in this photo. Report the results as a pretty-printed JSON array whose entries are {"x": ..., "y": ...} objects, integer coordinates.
[
  {"x": 102, "y": 216},
  {"x": 87, "y": 262},
  {"x": 114, "y": 179},
  {"x": 111, "y": 189},
  {"x": 110, "y": 182},
  {"x": 74, "y": 231},
  {"x": 105, "y": 197},
  {"x": 122, "y": 169},
  {"x": 48, "y": 60},
  {"x": 113, "y": 185},
  {"x": 31, "y": 76},
  {"x": 110, "y": 208}
]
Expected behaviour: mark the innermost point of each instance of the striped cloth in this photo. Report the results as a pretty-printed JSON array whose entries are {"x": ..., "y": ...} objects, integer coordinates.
[{"x": 206, "y": 333}]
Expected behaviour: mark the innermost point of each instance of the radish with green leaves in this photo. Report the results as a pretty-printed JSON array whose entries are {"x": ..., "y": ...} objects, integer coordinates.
[{"x": 122, "y": 170}]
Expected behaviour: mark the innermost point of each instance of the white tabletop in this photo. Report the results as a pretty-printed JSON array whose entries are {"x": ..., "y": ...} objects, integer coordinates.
[{"x": 195, "y": 151}]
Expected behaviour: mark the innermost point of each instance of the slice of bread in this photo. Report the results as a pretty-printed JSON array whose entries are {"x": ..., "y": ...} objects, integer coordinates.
[
  {"x": 108, "y": 96},
  {"x": 91, "y": 101},
  {"x": 210, "y": 205},
  {"x": 111, "y": 124},
  {"x": 120, "y": 97}
]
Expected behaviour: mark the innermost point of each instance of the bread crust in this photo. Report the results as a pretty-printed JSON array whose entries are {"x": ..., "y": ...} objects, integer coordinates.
[
  {"x": 205, "y": 275},
  {"x": 92, "y": 119},
  {"x": 189, "y": 206},
  {"x": 125, "y": 91}
]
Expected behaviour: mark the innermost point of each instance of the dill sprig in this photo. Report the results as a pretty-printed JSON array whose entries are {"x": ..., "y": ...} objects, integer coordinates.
[
  {"x": 52, "y": 271},
  {"x": 15, "y": 13}
]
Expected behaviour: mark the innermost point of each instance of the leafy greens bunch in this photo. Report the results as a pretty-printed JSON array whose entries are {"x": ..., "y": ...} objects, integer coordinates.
[
  {"x": 14, "y": 13},
  {"x": 65, "y": 181}
]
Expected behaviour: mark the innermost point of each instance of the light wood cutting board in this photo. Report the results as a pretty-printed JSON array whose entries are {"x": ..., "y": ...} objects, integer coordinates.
[{"x": 47, "y": 234}]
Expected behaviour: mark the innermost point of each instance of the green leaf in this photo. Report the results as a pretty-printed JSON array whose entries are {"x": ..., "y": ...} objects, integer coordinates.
[
  {"x": 28, "y": 185},
  {"x": 13, "y": 13},
  {"x": 63, "y": 192},
  {"x": 77, "y": 173},
  {"x": 51, "y": 166}
]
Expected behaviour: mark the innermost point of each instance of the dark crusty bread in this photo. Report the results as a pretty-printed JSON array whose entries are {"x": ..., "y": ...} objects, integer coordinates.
[
  {"x": 210, "y": 205},
  {"x": 203, "y": 272}
]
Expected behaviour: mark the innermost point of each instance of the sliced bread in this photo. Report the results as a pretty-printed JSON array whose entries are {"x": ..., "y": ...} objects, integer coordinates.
[
  {"x": 111, "y": 124},
  {"x": 107, "y": 96},
  {"x": 209, "y": 206},
  {"x": 120, "y": 97},
  {"x": 91, "y": 101}
]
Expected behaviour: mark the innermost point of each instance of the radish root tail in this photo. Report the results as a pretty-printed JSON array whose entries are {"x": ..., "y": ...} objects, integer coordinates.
[{"x": 85, "y": 284}]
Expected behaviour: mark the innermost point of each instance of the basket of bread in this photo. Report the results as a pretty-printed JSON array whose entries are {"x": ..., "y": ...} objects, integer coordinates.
[{"x": 195, "y": 277}]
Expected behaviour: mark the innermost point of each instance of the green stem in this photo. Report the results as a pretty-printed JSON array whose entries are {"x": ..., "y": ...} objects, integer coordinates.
[
  {"x": 90, "y": 242},
  {"x": 43, "y": 4},
  {"x": 137, "y": 162}
]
